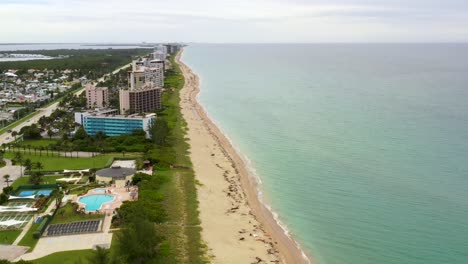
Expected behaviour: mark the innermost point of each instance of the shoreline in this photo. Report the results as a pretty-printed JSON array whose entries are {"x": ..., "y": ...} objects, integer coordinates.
[{"x": 228, "y": 184}]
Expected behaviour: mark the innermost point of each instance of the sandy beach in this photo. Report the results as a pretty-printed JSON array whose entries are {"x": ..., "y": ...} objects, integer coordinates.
[{"x": 237, "y": 227}]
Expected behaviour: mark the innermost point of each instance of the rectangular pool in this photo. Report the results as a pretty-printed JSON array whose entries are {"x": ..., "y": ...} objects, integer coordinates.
[
  {"x": 44, "y": 192},
  {"x": 26, "y": 193}
]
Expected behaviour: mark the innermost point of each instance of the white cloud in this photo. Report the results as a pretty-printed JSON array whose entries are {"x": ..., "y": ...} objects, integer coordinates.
[{"x": 227, "y": 21}]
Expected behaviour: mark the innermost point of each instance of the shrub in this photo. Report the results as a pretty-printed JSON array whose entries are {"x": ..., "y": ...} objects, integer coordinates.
[{"x": 37, "y": 234}]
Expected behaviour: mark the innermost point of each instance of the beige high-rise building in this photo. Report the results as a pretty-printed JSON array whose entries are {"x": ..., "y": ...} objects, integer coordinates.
[
  {"x": 145, "y": 82},
  {"x": 96, "y": 97},
  {"x": 143, "y": 100}
]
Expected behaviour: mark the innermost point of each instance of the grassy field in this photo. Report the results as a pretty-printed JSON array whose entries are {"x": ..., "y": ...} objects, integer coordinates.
[
  {"x": 9, "y": 236},
  {"x": 25, "y": 181},
  {"x": 38, "y": 142},
  {"x": 66, "y": 257},
  {"x": 68, "y": 214},
  {"x": 28, "y": 240},
  {"x": 64, "y": 163}
]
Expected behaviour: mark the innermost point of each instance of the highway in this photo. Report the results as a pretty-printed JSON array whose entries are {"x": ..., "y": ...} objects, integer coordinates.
[{"x": 7, "y": 137}]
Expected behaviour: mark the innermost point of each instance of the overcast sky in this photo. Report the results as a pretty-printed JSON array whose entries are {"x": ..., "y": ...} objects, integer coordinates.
[{"x": 234, "y": 20}]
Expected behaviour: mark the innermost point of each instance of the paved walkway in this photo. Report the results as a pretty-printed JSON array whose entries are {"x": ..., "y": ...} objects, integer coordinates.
[
  {"x": 11, "y": 252},
  {"x": 13, "y": 171},
  {"x": 23, "y": 233},
  {"x": 48, "y": 245},
  {"x": 50, "y": 153}
]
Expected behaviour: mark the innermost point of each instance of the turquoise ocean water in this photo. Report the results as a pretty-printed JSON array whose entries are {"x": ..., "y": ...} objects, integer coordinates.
[{"x": 361, "y": 149}]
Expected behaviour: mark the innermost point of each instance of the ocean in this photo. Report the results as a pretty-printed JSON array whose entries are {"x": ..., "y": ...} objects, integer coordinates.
[{"x": 361, "y": 149}]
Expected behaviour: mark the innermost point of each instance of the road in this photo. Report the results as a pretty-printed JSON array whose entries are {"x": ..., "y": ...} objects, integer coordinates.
[
  {"x": 7, "y": 137},
  {"x": 114, "y": 72}
]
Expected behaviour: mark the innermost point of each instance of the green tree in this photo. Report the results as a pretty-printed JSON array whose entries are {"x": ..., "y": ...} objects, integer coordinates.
[
  {"x": 58, "y": 198},
  {"x": 38, "y": 165},
  {"x": 4, "y": 261},
  {"x": 19, "y": 159},
  {"x": 80, "y": 134},
  {"x": 7, "y": 179},
  {"x": 138, "y": 242},
  {"x": 50, "y": 133},
  {"x": 28, "y": 164},
  {"x": 36, "y": 178},
  {"x": 100, "y": 256},
  {"x": 14, "y": 134},
  {"x": 159, "y": 131}
]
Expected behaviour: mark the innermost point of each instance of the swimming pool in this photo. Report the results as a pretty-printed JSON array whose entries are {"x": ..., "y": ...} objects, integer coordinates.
[
  {"x": 26, "y": 193},
  {"x": 94, "y": 202},
  {"x": 44, "y": 192}
]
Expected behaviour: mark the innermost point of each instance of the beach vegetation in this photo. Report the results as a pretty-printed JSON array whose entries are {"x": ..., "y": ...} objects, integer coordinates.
[{"x": 168, "y": 199}]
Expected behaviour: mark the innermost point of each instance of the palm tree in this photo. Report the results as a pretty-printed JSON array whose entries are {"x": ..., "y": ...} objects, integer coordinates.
[
  {"x": 29, "y": 148},
  {"x": 58, "y": 199},
  {"x": 7, "y": 179},
  {"x": 39, "y": 165},
  {"x": 14, "y": 134},
  {"x": 40, "y": 150},
  {"x": 19, "y": 159},
  {"x": 28, "y": 165},
  {"x": 50, "y": 133},
  {"x": 100, "y": 256},
  {"x": 35, "y": 178}
]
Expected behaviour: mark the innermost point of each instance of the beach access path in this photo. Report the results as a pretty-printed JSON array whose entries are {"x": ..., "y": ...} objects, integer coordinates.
[{"x": 236, "y": 226}]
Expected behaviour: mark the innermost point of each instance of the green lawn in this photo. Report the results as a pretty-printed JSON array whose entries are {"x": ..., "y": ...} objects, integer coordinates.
[
  {"x": 9, "y": 236},
  {"x": 25, "y": 180},
  {"x": 66, "y": 257},
  {"x": 68, "y": 213},
  {"x": 38, "y": 142},
  {"x": 28, "y": 240},
  {"x": 64, "y": 163}
]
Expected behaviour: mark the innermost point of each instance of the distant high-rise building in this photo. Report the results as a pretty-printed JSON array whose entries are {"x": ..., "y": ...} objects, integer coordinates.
[
  {"x": 159, "y": 55},
  {"x": 172, "y": 48},
  {"x": 96, "y": 97},
  {"x": 160, "y": 52}
]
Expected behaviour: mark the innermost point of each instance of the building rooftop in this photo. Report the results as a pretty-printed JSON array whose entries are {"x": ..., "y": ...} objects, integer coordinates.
[
  {"x": 112, "y": 113},
  {"x": 116, "y": 172}
]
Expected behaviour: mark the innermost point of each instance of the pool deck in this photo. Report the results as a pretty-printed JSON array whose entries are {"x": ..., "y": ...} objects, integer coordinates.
[
  {"x": 120, "y": 194},
  {"x": 48, "y": 245}
]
